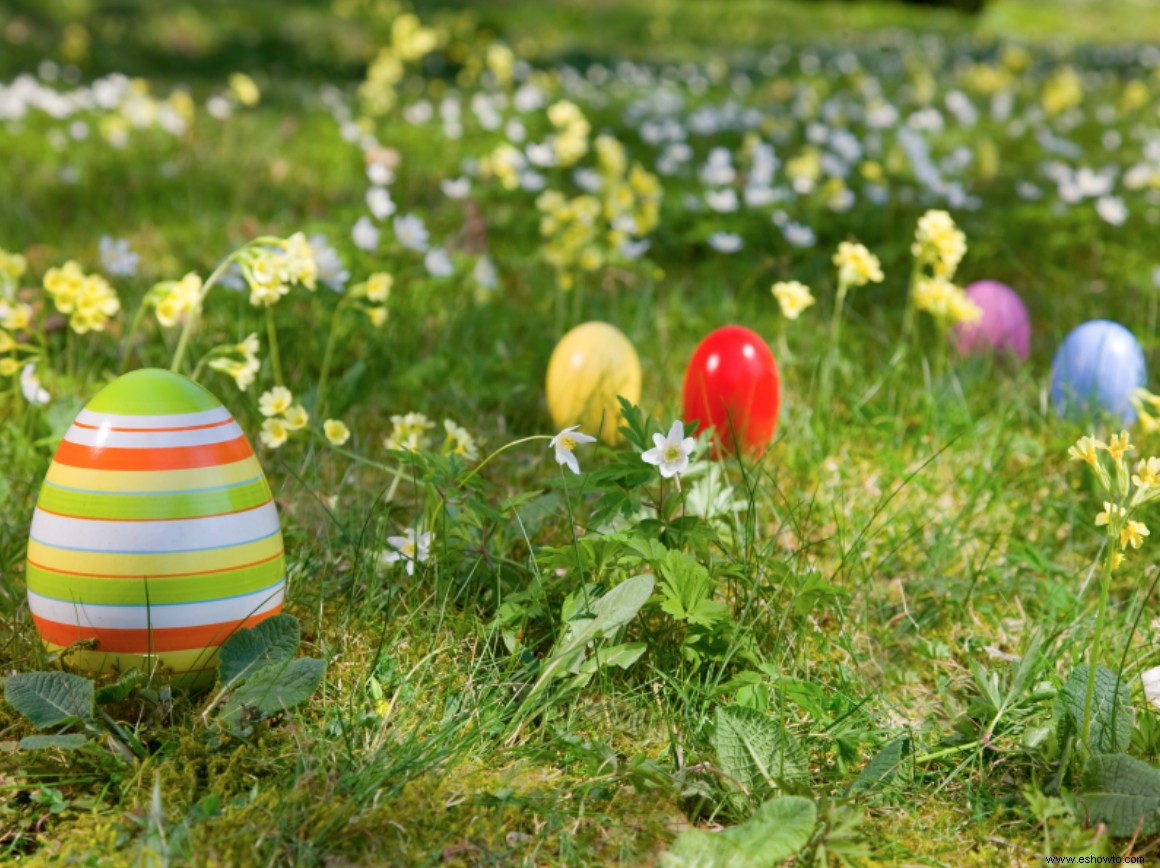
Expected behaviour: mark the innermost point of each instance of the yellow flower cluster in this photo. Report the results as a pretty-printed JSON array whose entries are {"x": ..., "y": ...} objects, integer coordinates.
[
  {"x": 375, "y": 290},
  {"x": 1129, "y": 490},
  {"x": 939, "y": 244},
  {"x": 1062, "y": 91},
  {"x": 589, "y": 231},
  {"x": 243, "y": 369},
  {"x": 504, "y": 163},
  {"x": 10, "y": 348},
  {"x": 172, "y": 298},
  {"x": 283, "y": 416},
  {"x": 87, "y": 299},
  {"x": 856, "y": 265},
  {"x": 408, "y": 432},
  {"x": 571, "y": 141},
  {"x": 270, "y": 270},
  {"x": 945, "y": 301},
  {"x": 410, "y": 41},
  {"x": 12, "y": 268},
  {"x": 793, "y": 297},
  {"x": 459, "y": 441}
]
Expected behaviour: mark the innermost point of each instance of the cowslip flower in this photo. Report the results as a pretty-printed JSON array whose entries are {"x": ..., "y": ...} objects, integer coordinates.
[
  {"x": 565, "y": 444},
  {"x": 938, "y": 242},
  {"x": 671, "y": 453},
  {"x": 1118, "y": 444},
  {"x": 459, "y": 441},
  {"x": 275, "y": 401},
  {"x": 793, "y": 297},
  {"x": 1086, "y": 449},
  {"x": 409, "y": 432},
  {"x": 1132, "y": 534},
  {"x": 296, "y": 417},
  {"x": 412, "y": 548},
  {"x": 274, "y": 433},
  {"x": 336, "y": 431},
  {"x": 1111, "y": 512},
  {"x": 856, "y": 265}
]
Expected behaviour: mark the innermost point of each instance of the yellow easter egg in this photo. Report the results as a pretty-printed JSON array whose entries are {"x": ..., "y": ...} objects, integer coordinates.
[{"x": 590, "y": 367}]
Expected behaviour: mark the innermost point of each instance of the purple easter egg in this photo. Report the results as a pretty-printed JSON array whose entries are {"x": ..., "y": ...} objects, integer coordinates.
[{"x": 1005, "y": 326}]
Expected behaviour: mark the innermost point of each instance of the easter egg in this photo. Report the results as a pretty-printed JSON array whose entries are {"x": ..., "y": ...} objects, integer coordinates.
[
  {"x": 732, "y": 386},
  {"x": 155, "y": 535},
  {"x": 1005, "y": 326},
  {"x": 1098, "y": 367},
  {"x": 590, "y": 366}
]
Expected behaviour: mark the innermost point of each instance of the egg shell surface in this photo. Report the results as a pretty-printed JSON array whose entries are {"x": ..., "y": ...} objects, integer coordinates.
[
  {"x": 1005, "y": 326},
  {"x": 590, "y": 367},
  {"x": 732, "y": 386},
  {"x": 1098, "y": 366},
  {"x": 155, "y": 534}
]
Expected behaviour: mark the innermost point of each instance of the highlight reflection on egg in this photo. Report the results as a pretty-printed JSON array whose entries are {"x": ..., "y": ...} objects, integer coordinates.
[
  {"x": 155, "y": 535},
  {"x": 590, "y": 366}
]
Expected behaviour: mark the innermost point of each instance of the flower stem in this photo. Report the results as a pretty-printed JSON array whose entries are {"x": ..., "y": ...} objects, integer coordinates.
[
  {"x": 1093, "y": 649},
  {"x": 138, "y": 317},
  {"x": 192, "y": 316},
  {"x": 503, "y": 448},
  {"x": 272, "y": 336},
  {"x": 327, "y": 355}
]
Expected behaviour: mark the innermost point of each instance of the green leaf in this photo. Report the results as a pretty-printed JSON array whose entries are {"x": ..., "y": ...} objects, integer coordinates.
[
  {"x": 814, "y": 589},
  {"x": 120, "y": 688},
  {"x": 621, "y": 604},
  {"x": 275, "y": 688},
  {"x": 50, "y": 698},
  {"x": 1123, "y": 793},
  {"x": 617, "y": 655},
  {"x": 880, "y": 770},
  {"x": 1108, "y": 705},
  {"x": 69, "y": 741},
  {"x": 757, "y": 751},
  {"x": 271, "y": 641},
  {"x": 778, "y": 830}
]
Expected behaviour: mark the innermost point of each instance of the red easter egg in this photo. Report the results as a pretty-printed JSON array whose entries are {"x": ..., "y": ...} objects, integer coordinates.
[{"x": 732, "y": 386}]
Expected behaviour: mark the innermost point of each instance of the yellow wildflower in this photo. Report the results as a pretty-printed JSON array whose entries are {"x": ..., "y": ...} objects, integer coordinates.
[
  {"x": 1086, "y": 449},
  {"x": 336, "y": 431},
  {"x": 1118, "y": 445},
  {"x": 856, "y": 265},
  {"x": 379, "y": 287},
  {"x": 275, "y": 401},
  {"x": 1111, "y": 511},
  {"x": 296, "y": 417},
  {"x": 274, "y": 433},
  {"x": 1147, "y": 472},
  {"x": 793, "y": 297},
  {"x": 1132, "y": 534}
]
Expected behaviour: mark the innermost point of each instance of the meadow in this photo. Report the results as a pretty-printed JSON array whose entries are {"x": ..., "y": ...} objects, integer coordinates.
[{"x": 916, "y": 627}]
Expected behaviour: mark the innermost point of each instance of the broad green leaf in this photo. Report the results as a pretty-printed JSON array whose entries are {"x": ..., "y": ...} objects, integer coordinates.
[
  {"x": 621, "y": 604},
  {"x": 274, "y": 688},
  {"x": 1111, "y": 723},
  {"x": 50, "y": 698},
  {"x": 777, "y": 830},
  {"x": 67, "y": 741},
  {"x": 120, "y": 688},
  {"x": 268, "y": 642},
  {"x": 1122, "y": 792},
  {"x": 880, "y": 770},
  {"x": 757, "y": 751},
  {"x": 1028, "y": 667},
  {"x": 617, "y": 655}
]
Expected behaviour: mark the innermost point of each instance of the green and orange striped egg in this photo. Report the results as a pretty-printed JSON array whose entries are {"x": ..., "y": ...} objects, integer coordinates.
[{"x": 155, "y": 535}]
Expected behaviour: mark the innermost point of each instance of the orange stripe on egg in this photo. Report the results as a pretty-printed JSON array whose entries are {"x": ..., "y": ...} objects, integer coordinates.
[
  {"x": 147, "y": 641},
  {"x": 156, "y": 430},
  {"x": 175, "y": 458}
]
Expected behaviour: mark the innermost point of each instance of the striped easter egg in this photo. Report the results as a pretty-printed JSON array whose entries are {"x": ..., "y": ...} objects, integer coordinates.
[{"x": 155, "y": 535}]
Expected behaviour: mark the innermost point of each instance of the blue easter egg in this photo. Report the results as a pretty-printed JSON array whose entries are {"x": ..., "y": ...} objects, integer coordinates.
[{"x": 1098, "y": 367}]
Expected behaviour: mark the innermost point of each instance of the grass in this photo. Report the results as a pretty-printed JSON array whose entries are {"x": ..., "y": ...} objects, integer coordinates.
[{"x": 896, "y": 541}]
